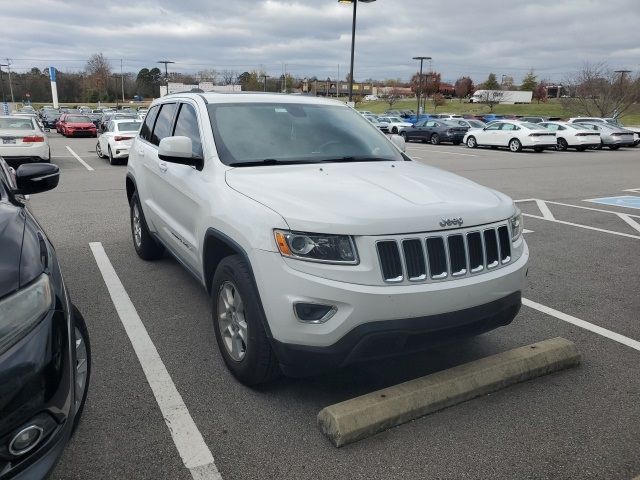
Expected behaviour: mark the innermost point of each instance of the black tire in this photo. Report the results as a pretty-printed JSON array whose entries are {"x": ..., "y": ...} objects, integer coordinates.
[
  {"x": 457, "y": 142},
  {"x": 435, "y": 139},
  {"x": 562, "y": 145},
  {"x": 79, "y": 323},
  {"x": 99, "y": 150},
  {"x": 471, "y": 142},
  {"x": 258, "y": 364},
  {"x": 614, "y": 147},
  {"x": 112, "y": 161},
  {"x": 515, "y": 145},
  {"x": 580, "y": 149},
  {"x": 404, "y": 135},
  {"x": 148, "y": 247},
  {"x": 394, "y": 130},
  {"x": 599, "y": 147},
  {"x": 538, "y": 149}
]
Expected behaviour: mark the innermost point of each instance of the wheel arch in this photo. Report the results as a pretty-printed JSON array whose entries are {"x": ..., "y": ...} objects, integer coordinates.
[
  {"x": 131, "y": 187},
  {"x": 217, "y": 246}
]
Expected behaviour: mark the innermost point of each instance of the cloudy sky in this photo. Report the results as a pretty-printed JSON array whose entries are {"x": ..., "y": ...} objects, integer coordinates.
[{"x": 313, "y": 37}]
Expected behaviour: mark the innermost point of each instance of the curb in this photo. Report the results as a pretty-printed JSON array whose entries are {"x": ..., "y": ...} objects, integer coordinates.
[{"x": 361, "y": 417}]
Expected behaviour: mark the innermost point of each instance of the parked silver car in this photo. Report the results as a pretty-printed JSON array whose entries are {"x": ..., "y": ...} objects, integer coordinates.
[{"x": 612, "y": 136}]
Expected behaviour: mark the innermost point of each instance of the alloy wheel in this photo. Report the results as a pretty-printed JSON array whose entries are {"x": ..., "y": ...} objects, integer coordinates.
[
  {"x": 137, "y": 225},
  {"x": 232, "y": 322},
  {"x": 80, "y": 384}
]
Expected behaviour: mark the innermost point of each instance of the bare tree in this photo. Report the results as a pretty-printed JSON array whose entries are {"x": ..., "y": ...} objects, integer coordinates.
[
  {"x": 438, "y": 100},
  {"x": 393, "y": 95},
  {"x": 507, "y": 82},
  {"x": 491, "y": 98},
  {"x": 228, "y": 77},
  {"x": 98, "y": 72},
  {"x": 600, "y": 91},
  {"x": 207, "y": 75},
  {"x": 464, "y": 87},
  {"x": 540, "y": 93}
]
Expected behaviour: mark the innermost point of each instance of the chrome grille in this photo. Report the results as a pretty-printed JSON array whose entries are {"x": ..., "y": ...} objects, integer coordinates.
[{"x": 447, "y": 255}]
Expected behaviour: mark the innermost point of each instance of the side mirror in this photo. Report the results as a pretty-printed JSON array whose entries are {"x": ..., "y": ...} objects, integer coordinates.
[
  {"x": 36, "y": 177},
  {"x": 399, "y": 142},
  {"x": 178, "y": 150}
]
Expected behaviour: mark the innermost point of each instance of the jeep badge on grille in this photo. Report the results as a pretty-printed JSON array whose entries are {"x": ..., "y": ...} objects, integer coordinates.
[{"x": 450, "y": 222}]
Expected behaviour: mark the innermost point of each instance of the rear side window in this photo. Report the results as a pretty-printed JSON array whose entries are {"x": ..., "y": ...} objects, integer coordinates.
[
  {"x": 163, "y": 125},
  {"x": 187, "y": 126},
  {"x": 147, "y": 126}
]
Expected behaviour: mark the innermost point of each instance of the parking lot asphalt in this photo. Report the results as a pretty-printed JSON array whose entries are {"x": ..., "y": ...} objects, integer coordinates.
[{"x": 581, "y": 423}]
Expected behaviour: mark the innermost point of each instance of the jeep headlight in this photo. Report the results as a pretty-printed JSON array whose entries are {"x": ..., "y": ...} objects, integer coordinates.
[
  {"x": 315, "y": 247},
  {"x": 22, "y": 310},
  {"x": 516, "y": 225}
]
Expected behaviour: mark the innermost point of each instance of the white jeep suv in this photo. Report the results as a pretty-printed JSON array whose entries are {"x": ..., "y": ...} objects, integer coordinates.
[{"x": 320, "y": 242}]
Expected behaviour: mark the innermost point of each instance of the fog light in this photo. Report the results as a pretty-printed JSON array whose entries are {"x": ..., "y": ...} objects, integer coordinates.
[
  {"x": 25, "y": 440},
  {"x": 314, "y": 312}
]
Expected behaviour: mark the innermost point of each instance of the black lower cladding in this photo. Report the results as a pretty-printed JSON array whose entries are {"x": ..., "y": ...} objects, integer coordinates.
[{"x": 381, "y": 339}]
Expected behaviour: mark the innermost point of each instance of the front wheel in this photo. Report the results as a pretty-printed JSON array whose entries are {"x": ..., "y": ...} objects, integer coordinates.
[
  {"x": 471, "y": 142},
  {"x": 146, "y": 246},
  {"x": 435, "y": 139},
  {"x": 239, "y": 324},
  {"x": 82, "y": 371},
  {"x": 515, "y": 145}
]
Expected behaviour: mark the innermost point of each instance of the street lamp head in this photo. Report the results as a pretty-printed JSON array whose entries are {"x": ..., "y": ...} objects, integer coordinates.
[
  {"x": 421, "y": 58},
  {"x": 359, "y": 1}
]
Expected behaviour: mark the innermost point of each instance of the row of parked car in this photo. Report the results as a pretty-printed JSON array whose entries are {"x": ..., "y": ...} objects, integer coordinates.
[{"x": 537, "y": 133}]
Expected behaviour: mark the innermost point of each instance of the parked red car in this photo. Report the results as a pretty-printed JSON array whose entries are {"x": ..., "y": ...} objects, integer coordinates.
[{"x": 74, "y": 125}]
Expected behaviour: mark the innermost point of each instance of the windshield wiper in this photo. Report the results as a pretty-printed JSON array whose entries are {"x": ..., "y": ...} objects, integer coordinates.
[
  {"x": 270, "y": 161},
  {"x": 356, "y": 159}
]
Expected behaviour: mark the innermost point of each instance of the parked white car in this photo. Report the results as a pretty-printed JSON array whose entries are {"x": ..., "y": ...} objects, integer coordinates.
[
  {"x": 573, "y": 135},
  {"x": 511, "y": 134},
  {"x": 115, "y": 142},
  {"x": 294, "y": 213},
  {"x": 22, "y": 140},
  {"x": 395, "y": 124}
]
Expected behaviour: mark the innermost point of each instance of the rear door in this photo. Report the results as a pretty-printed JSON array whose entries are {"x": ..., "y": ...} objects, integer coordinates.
[{"x": 506, "y": 133}]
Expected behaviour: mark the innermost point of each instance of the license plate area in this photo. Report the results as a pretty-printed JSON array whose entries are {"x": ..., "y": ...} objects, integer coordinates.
[{"x": 8, "y": 141}]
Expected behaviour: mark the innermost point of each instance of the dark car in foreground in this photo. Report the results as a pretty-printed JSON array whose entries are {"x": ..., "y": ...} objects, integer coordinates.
[
  {"x": 435, "y": 132},
  {"x": 45, "y": 357}
]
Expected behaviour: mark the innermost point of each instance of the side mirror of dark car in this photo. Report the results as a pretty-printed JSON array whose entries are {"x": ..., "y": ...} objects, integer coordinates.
[
  {"x": 178, "y": 149},
  {"x": 36, "y": 177}
]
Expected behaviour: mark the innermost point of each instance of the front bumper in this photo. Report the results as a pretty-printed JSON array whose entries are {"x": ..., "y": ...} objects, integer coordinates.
[
  {"x": 36, "y": 378},
  {"x": 280, "y": 286},
  {"x": 392, "y": 337},
  {"x": 81, "y": 133}
]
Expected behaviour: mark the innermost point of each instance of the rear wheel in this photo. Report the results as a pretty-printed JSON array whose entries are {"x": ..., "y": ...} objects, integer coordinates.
[
  {"x": 562, "y": 144},
  {"x": 99, "y": 150},
  {"x": 471, "y": 142},
  {"x": 404, "y": 135},
  {"x": 146, "y": 246},
  {"x": 435, "y": 139},
  {"x": 538, "y": 149},
  {"x": 394, "y": 130},
  {"x": 457, "y": 142},
  {"x": 239, "y": 324},
  {"x": 112, "y": 161},
  {"x": 515, "y": 145}
]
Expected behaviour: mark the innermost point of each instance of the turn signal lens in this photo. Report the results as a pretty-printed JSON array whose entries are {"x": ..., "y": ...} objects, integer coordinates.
[{"x": 283, "y": 246}]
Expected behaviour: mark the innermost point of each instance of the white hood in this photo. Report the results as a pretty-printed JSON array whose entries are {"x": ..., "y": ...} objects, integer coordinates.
[{"x": 369, "y": 198}]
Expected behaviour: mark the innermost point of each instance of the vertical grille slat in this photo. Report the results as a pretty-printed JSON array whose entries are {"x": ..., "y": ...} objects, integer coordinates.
[
  {"x": 390, "y": 261},
  {"x": 437, "y": 257},
  {"x": 457, "y": 255},
  {"x": 414, "y": 260},
  {"x": 505, "y": 244},
  {"x": 444, "y": 255},
  {"x": 476, "y": 254},
  {"x": 491, "y": 248}
]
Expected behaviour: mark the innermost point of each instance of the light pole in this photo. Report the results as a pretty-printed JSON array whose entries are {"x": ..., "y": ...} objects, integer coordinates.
[
  {"x": 419, "y": 89},
  {"x": 353, "y": 39},
  {"x": 621, "y": 72},
  {"x": 166, "y": 74},
  {"x": 264, "y": 77}
]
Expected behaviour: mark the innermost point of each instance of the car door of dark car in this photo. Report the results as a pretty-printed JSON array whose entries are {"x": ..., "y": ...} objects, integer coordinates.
[{"x": 430, "y": 128}]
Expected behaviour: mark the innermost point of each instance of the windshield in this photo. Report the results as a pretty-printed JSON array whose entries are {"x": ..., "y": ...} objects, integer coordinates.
[
  {"x": 16, "y": 124},
  {"x": 129, "y": 126},
  {"x": 77, "y": 119},
  {"x": 285, "y": 132}
]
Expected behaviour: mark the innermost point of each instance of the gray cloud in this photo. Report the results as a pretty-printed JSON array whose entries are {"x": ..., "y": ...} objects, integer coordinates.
[{"x": 312, "y": 37}]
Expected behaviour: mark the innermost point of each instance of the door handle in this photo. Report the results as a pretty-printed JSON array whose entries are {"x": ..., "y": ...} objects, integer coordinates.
[
  {"x": 141, "y": 152},
  {"x": 162, "y": 166}
]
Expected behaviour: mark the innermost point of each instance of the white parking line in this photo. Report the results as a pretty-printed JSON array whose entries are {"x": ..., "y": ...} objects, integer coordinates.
[
  {"x": 583, "y": 207},
  {"x": 546, "y": 213},
  {"x": 194, "y": 452},
  {"x": 628, "y": 235},
  {"x": 630, "y": 221},
  {"x": 616, "y": 337},
  {"x": 527, "y": 231},
  {"x": 77, "y": 157}
]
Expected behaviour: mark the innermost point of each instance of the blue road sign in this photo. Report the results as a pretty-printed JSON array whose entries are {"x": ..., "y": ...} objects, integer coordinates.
[{"x": 627, "y": 201}]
